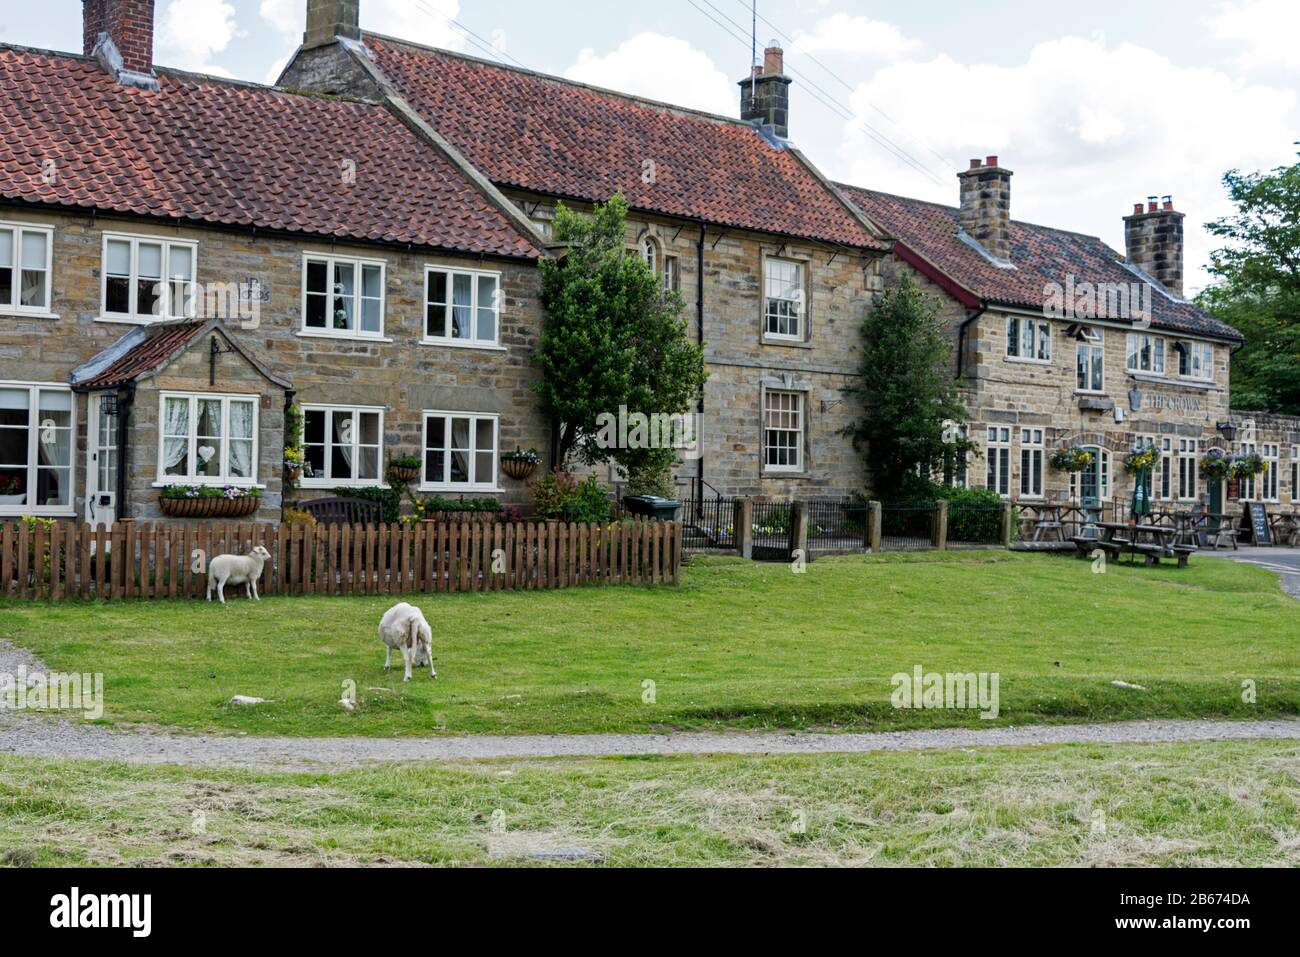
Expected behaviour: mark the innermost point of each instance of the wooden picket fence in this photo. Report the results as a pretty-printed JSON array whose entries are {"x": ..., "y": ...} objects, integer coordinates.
[{"x": 168, "y": 559}]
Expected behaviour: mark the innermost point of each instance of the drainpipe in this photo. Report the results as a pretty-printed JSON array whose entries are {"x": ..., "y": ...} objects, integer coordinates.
[
  {"x": 289, "y": 396},
  {"x": 699, "y": 332},
  {"x": 961, "y": 338},
  {"x": 124, "y": 402}
]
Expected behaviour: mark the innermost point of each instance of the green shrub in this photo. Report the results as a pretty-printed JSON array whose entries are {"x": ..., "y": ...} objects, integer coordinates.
[{"x": 389, "y": 498}]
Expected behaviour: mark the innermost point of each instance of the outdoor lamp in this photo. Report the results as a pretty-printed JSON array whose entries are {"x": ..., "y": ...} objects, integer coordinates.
[{"x": 1227, "y": 430}]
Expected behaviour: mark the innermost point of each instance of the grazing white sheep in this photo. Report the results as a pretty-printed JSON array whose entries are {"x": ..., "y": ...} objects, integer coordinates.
[
  {"x": 403, "y": 626},
  {"x": 237, "y": 570}
]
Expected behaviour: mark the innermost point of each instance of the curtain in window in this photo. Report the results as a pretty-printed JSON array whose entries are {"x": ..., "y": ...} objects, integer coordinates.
[
  {"x": 460, "y": 450},
  {"x": 462, "y": 295},
  {"x": 241, "y": 452},
  {"x": 176, "y": 427},
  {"x": 343, "y": 435}
]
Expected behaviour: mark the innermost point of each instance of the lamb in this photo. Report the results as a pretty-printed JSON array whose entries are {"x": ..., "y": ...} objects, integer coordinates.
[
  {"x": 403, "y": 626},
  {"x": 237, "y": 570}
]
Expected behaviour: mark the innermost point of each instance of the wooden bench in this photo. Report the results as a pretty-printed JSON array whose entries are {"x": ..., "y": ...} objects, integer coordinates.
[
  {"x": 1184, "y": 554},
  {"x": 1087, "y": 546},
  {"x": 344, "y": 511}
]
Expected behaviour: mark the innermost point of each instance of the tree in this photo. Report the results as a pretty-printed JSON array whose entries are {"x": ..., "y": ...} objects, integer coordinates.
[
  {"x": 612, "y": 338},
  {"x": 1258, "y": 288},
  {"x": 911, "y": 407}
]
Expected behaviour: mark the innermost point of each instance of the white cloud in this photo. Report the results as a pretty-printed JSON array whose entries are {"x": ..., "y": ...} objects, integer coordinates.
[
  {"x": 660, "y": 68},
  {"x": 192, "y": 31},
  {"x": 1090, "y": 130},
  {"x": 859, "y": 36},
  {"x": 1268, "y": 29},
  {"x": 424, "y": 22}
]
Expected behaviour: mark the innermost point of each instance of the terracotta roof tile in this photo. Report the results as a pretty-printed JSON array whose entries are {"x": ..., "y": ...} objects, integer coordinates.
[
  {"x": 1040, "y": 254},
  {"x": 558, "y": 138},
  {"x": 233, "y": 154},
  {"x": 156, "y": 345}
]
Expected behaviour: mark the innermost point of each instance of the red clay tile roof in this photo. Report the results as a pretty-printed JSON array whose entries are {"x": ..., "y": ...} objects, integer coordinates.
[
  {"x": 558, "y": 138},
  {"x": 1041, "y": 255},
  {"x": 147, "y": 348},
  {"x": 210, "y": 151}
]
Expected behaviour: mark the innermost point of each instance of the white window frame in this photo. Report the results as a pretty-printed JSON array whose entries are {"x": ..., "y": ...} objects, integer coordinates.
[
  {"x": 1101, "y": 461},
  {"x": 997, "y": 451},
  {"x": 800, "y": 301},
  {"x": 1270, "y": 478},
  {"x": 1134, "y": 345},
  {"x": 1198, "y": 353},
  {"x": 1189, "y": 470},
  {"x": 445, "y": 484},
  {"x": 223, "y": 477},
  {"x": 1033, "y": 452},
  {"x": 358, "y": 263},
  {"x": 134, "y": 317},
  {"x": 356, "y": 411},
  {"x": 1295, "y": 474},
  {"x": 16, "y": 231},
  {"x": 799, "y": 411},
  {"x": 33, "y": 438},
  {"x": 1041, "y": 332},
  {"x": 672, "y": 273},
  {"x": 649, "y": 252},
  {"x": 474, "y": 342},
  {"x": 1093, "y": 345}
]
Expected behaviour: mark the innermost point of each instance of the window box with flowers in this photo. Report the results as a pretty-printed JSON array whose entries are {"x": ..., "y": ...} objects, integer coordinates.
[{"x": 207, "y": 501}]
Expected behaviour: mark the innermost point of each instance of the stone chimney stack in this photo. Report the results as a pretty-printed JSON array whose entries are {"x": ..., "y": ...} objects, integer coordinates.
[
  {"x": 765, "y": 95},
  {"x": 986, "y": 206},
  {"x": 128, "y": 24},
  {"x": 1153, "y": 239},
  {"x": 327, "y": 19}
]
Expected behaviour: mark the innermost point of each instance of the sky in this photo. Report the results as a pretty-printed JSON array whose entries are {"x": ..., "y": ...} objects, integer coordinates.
[{"x": 1094, "y": 106}]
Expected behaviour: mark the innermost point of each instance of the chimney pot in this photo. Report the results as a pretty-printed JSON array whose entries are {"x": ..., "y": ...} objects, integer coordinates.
[
  {"x": 986, "y": 206},
  {"x": 765, "y": 93},
  {"x": 1153, "y": 240}
]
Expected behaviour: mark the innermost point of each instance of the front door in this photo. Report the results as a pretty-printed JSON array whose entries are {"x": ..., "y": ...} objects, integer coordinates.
[{"x": 101, "y": 465}]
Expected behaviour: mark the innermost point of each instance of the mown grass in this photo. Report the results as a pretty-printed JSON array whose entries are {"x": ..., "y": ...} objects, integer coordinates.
[
  {"x": 738, "y": 645},
  {"x": 1233, "y": 804}
]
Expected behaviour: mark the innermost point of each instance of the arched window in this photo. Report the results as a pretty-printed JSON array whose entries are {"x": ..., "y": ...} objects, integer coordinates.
[{"x": 650, "y": 253}]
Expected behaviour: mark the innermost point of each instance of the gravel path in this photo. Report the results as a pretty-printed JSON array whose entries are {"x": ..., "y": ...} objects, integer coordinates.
[
  {"x": 43, "y": 737},
  {"x": 38, "y": 735}
]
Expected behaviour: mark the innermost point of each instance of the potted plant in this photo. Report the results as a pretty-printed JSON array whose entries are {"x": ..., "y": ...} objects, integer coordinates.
[
  {"x": 1071, "y": 459},
  {"x": 11, "y": 492},
  {"x": 1217, "y": 465},
  {"x": 405, "y": 468},
  {"x": 206, "y": 501},
  {"x": 519, "y": 464},
  {"x": 293, "y": 460}
]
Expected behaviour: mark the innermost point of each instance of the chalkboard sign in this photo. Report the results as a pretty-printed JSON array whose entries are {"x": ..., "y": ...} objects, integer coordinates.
[{"x": 1255, "y": 524}]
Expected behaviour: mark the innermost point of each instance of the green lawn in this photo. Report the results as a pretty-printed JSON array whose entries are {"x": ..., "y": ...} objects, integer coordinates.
[
  {"x": 1235, "y": 804},
  {"x": 739, "y": 645}
]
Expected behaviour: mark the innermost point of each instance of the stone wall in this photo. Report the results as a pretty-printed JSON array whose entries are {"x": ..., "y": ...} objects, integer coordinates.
[{"x": 398, "y": 373}]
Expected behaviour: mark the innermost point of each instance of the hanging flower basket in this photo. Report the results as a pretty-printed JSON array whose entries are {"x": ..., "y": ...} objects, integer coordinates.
[
  {"x": 405, "y": 468},
  {"x": 1070, "y": 460},
  {"x": 1139, "y": 460},
  {"x": 201, "y": 501},
  {"x": 1248, "y": 466},
  {"x": 520, "y": 465},
  {"x": 1217, "y": 466}
]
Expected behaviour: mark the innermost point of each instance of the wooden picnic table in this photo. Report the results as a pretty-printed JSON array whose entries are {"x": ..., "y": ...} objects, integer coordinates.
[
  {"x": 1049, "y": 520},
  {"x": 1118, "y": 538},
  {"x": 1286, "y": 528}
]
